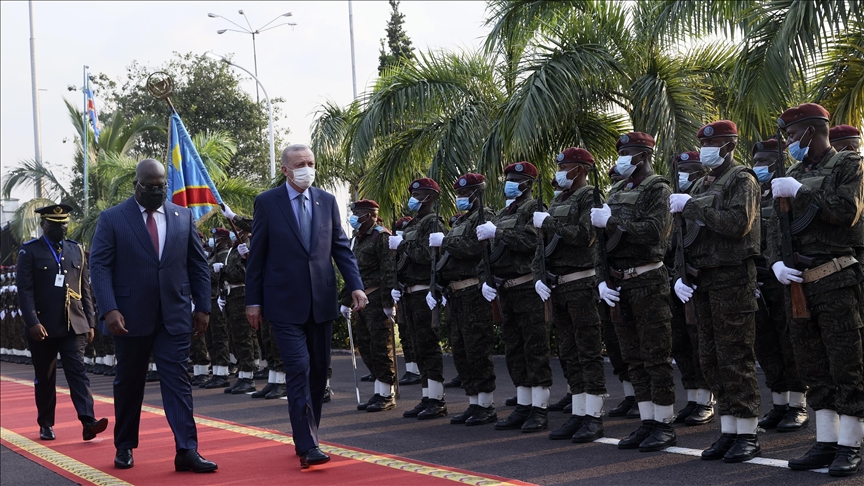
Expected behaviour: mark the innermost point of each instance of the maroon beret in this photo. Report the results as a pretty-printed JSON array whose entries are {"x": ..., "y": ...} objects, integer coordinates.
[
  {"x": 575, "y": 155},
  {"x": 806, "y": 111},
  {"x": 221, "y": 232},
  {"x": 364, "y": 204},
  {"x": 469, "y": 180},
  {"x": 769, "y": 145},
  {"x": 842, "y": 132},
  {"x": 402, "y": 222},
  {"x": 425, "y": 183},
  {"x": 721, "y": 128},
  {"x": 524, "y": 168},
  {"x": 635, "y": 139},
  {"x": 687, "y": 157}
]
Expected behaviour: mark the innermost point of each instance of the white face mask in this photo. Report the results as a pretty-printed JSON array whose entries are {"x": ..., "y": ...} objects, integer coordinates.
[
  {"x": 562, "y": 180},
  {"x": 710, "y": 156},
  {"x": 684, "y": 182},
  {"x": 303, "y": 177},
  {"x": 624, "y": 165}
]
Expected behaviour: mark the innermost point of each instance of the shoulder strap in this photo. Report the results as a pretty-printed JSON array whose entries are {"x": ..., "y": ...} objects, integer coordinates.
[
  {"x": 733, "y": 171},
  {"x": 829, "y": 167}
]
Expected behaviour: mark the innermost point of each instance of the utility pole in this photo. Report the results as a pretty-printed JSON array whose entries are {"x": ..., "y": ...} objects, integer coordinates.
[
  {"x": 351, "y": 30},
  {"x": 37, "y": 125}
]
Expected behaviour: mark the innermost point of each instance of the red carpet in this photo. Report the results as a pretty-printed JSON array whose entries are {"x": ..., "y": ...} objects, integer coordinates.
[{"x": 245, "y": 455}]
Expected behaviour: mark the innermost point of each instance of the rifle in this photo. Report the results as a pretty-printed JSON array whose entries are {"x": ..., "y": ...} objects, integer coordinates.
[
  {"x": 433, "y": 283},
  {"x": 399, "y": 316},
  {"x": 545, "y": 276},
  {"x": 682, "y": 268},
  {"x": 487, "y": 261},
  {"x": 614, "y": 314},
  {"x": 791, "y": 258}
]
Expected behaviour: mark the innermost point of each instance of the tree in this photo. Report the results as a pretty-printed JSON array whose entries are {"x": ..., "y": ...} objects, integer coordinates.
[{"x": 398, "y": 43}]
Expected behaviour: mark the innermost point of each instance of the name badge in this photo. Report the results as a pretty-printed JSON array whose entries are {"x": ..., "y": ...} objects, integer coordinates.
[{"x": 59, "y": 280}]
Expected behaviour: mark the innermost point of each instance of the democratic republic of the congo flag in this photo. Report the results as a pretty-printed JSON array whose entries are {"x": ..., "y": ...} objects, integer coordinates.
[
  {"x": 92, "y": 114},
  {"x": 189, "y": 184}
]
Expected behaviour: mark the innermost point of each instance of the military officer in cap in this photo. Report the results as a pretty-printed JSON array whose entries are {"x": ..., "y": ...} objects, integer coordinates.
[
  {"x": 638, "y": 225},
  {"x": 571, "y": 257},
  {"x": 826, "y": 189},
  {"x": 372, "y": 324},
  {"x": 57, "y": 307},
  {"x": 411, "y": 291},
  {"x": 845, "y": 137},
  {"x": 525, "y": 330}
]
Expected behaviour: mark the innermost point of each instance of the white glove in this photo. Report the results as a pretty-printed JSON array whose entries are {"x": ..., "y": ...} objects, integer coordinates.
[
  {"x": 394, "y": 241},
  {"x": 221, "y": 303},
  {"x": 443, "y": 301},
  {"x": 599, "y": 216},
  {"x": 784, "y": 274},
  {"x": 609, "y": 295},
  {"x": 539, "y": 217},
  {"x": 227, "y": 212},
  {"x": 684, "y": 292},
  {"x": 13, "y": 288},
  {"x": 396, "y": 295},
  {"x": 758, "y": 293},
  {"x": 677, "y": 202},
  {"x": 14, "y": 313},
  {"x": 489, "y": 293},
  {"x": 784, "y": 187},
  {"x": 193, "y": 306},
  {"x": 486, "y": 231},
  {"x": 242, "y": 249},
  {"x": 2, "y": 314},
  {"x": 435, "y": 239},
  {"x": 345, "y": 311},
  {"x": 542, "y": 290},
  {"x": 389, "y": 311},
  {"x": 217, "y": 267},
  {"x": 430, "y": 301}
]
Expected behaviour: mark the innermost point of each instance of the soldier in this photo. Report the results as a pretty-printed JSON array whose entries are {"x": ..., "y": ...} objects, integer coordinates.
[
  {"x": 773, "y": 346},
  {"x": 638, "y": 224},
  {"x": 469, "y": 317},
  {"x": 845, "y": 137},
  {"x": 571, "y": 258},
  {"x": 525, "y": 330},
  {"x": 412, "y": 371},
  {"x": 685, "y": 349},
  {"x": 57, "y": 305},
  {"x": 216, "y": 335},
  {"x": 233, "y": 276},
  {"x": 372, "y": 324},
  {"x": 825, "y": 188},
  {"x": 414, "y": 276},
  {"x": 565, "y": 403}
]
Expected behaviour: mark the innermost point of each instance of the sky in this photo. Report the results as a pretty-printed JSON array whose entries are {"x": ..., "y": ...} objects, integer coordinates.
[{"x": 306, "y": 65}]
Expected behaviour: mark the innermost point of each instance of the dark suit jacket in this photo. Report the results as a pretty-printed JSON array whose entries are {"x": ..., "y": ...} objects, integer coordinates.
[
  {"x": 128, "y": 275},
  {"x": 41, "y": 301},
  {"x": 287, "y": 279}
]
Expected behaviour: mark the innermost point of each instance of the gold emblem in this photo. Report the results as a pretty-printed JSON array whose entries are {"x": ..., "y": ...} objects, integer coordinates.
[{"x": 58, "y": 210}]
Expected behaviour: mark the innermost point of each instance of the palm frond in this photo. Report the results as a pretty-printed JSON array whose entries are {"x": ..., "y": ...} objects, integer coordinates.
[
  {"x": 841, "y": 89},
  {"x": 25, "y": 222}
]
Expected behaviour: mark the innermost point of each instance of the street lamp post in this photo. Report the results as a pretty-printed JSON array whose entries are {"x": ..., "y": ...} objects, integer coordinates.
[{"x": 227, "y": 61}]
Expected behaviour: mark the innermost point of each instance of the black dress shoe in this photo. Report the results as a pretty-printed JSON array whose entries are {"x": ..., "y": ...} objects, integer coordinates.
[
  {"x": 368, "y": 377},
  {"x": 685, "y": 412},
  {"x": 482, "y": 416},
  {"x": 328, "y": 395},
  {"x": 719, "y": 448},
  {"x": 570, "y": 427},
  {"x": 560, "y": 404},
  {"x": 637, "y": 436},
  {"x": 846, "y": 463},
  {"x": 746, "y": 447},
  {"x": 90, "y": 369},
  {"x": 537, "y": 420},
  {"x": 623, "y": 407},
  {"x": 261, "y": 374},
  {"x": 278, "y": 391},
  {"x": 795, "y": 419},
  {"x": 217, "y": 381},
  {"x": 123, "y": 459},
  {"x": 417, "y": 409},
  {"x": 46, "y": 433},
  {"x": 661, "y": 437},
  {"x": 510, "y": 402},
  {"x": 634, "y": 413},
  {"x": 199, "y": 380},
  {"x": 820, "y": 455},
  {"x": 313, "y": 457},
  {"x": 461, "y": 418},
  {"x": 456, "y": 382},
  {"x": 94, "y": 428},
  {"x": 591, "y": 430},
  {"x": 383, "y": 403},
  {"x": 374, "y": 398},
  {"x": 152, "y": 376},
  {"x": 264, "y": 391},
  {"x": 516, "y": 418},
  {"x": 434, "y": 409},
  {"x": 243, "y": 385},
  {"x": 409, "y": 379},
  {"x": 190, "y": 460},
  {"x": 111, "y": 371},
  {"x": 773, "y": 417},
  {"x": 703, "y": 414}
]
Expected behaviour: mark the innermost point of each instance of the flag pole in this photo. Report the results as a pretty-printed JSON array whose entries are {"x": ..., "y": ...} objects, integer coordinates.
[{"x": 84, "y": 142}]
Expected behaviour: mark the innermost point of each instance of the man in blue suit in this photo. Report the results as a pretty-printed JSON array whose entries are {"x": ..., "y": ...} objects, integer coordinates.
[
  {"x": 290, "y": 280},
  {"x": 147, "y": 267}
]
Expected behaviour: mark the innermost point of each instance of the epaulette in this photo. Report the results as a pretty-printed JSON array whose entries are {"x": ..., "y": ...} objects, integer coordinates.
[
  {"x": 34, "y": 240},
  {"x": 73, "y": 241},
  {"x": 382, "y": 229}
]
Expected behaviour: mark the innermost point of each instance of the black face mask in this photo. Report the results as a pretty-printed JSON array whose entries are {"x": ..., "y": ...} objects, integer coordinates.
[
  {"x": 152, "y": 199},
  {"x": 55, "y": 232}
]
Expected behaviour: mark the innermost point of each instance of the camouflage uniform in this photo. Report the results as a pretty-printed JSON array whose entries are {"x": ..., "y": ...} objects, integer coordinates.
[
  {"x": 577, "y": 322},
  {"x": 216, "y": 336},
  {"x": 610, "y": 342},
  {"x": 726, "y": 205},
  {"x": 469, "y": 315},
  {"x": 245, "y": 342}
]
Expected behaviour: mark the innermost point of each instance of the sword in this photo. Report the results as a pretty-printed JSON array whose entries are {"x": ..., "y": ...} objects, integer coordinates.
[
  {"x": 395, "y": 360},
  {"x": 353, "y": 359}
]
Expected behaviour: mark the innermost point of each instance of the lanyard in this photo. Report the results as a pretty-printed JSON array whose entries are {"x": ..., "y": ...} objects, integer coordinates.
[{"x": 54, "y": 253}]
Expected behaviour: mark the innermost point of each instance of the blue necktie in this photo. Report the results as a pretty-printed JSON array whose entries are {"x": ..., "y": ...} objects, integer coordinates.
[{"x": 304, "y": 221}]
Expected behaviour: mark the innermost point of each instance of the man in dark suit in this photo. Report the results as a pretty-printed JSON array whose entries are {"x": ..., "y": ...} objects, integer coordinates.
[
  {"x": 148, "y": 266},
  {"x": 291, "y": 282},
  {"x": 57, "y": 306}
]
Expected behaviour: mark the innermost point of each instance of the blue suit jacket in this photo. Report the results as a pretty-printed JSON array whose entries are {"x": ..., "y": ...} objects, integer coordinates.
[
  {"x": 127, "y": 274},
  {"x": 287, "y": 279}
]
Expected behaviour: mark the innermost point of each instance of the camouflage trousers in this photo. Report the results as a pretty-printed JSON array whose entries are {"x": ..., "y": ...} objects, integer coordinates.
[
  {"x": 104, "y": 345},
  {"x": 198, "y": 351},
  {"x": 526, "y": 336},
  {"x": 245, "y": 342},
  {"x": 645, "y": 336},
  {"x": 725, "y": 309},
  {"x": 472, "y": 336},
  {"x": 423, "y": 338},
  {"x": 610, "y": 342},
  {"x": 216, "y": 336},
  {"x": 685, "y": 347},
  {"x": 373, "y": 326},
  {"x": 773, "y": 345},
  {"x": 404, "y": 335},
  {"x": 577, "y": 330},
  {"x": 269, "y": 348},
  {"x": 90, "y": 350}
]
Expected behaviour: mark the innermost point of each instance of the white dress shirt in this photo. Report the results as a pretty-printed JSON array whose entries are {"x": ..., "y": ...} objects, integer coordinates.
[{"x": 161, "y": 228}]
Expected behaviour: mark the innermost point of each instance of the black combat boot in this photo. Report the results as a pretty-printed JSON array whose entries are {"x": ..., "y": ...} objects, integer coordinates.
[
  {"x": 197, "y": 380},
  {"x": 434, "y": 409},
  {"x": 217, "y": 381},
  {"x": 633, "y": 440},
  {"x": 773, "y": 417},
  {"x": 515, "y": 419},
  {"x": 591, "y": 430},
  {"x": 847, "y": 462},
  {"x": 510, "y": 402},
  {"x": 569, "y": 428},
  {"x": 243, "y": 386},
  {"x": 719, "y": 448},
  {"x": 820, "y": 455},
  {"x": 456, "y": 382},
  {"x": 623, "y": 407},
  {"x": 685, "y": 412},
  {"x": 746, "y": 447},
  {"x": 383, "y": 403},
  {"x": 661, "y": 437},
  {"x": 537, "y": 420},
  {"x": 371, "y": 400},
  {"x": 482, "y": 416},
  {"x": 795, "y": 419},
  {"x": 560, "y": 404},
  {"x": 278, "y": 391},
  {"x": 417, "y": 408},
  {"x": 264, "y": 391},
  {"x": 460, "y": 419},
  {"x": 702, "y": 415}
]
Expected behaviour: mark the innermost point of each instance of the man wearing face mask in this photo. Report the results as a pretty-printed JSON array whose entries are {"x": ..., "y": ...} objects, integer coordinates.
[
  {"x": 472, "y": 332},
  {"x": 773, "y": 345},
  {"x": 827, "y": 345},
  {"x": 57, "y": 307},
  {"x": 525, "y": 330},
  {"x": 571, "y": 255},
  {"x": 845, "y": 137},
  {"x": 412, "y": 371},
  {"x": 414, "y": 274},
  {"x": 372, "y": 324},
  {"x": 217, "y": 329},
  {"x": 148, "y": 266}
]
